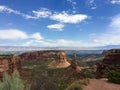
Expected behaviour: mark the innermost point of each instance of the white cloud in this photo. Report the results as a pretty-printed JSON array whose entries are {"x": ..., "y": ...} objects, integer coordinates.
[
  {"x": 29, "y": 43},
  {"x": 91, "y": 4},
  {"x": 15, "y": 34},
  {"x": 62, "y": 17},
  {"x": 37, "y": 36},
  {"x": 112, "y": 35},
  {"x": 115, "y": 23},
  {"x": 8, "y": 10},
  {"x": 12, "y": 34},
  {"x": 68, "y": 18},
  {"x": 42, "y": 13},
  {"x": 58, "y": 27},
  {"x": 115, "y": 1},
  {"x": 107, "y": 39},
  {"x": 53, "y": 43}
]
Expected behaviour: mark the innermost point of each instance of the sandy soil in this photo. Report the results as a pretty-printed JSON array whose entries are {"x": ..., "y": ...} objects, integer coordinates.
[{"x": 101, "y": 84}]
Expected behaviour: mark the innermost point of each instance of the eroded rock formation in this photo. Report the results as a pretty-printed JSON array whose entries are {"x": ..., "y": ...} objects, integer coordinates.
[
  {"x": 111, "y": 61},
  {"x": 74, "y": 65},
  {"x": 58, "y": 57},
  {"x": 60, "y": 60},
  {"x": 8, "y": 63}
]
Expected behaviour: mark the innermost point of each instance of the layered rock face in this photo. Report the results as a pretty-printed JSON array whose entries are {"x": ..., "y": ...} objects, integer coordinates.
[
  {"x": 58, "y": 57},
  {"x": 112, "y": 56},
  {"x": 60, "y": 60},
  {"x": 111, "y": 61},
  {"x": 38, "y": 55},
  {"x": 9, "y": 63}
]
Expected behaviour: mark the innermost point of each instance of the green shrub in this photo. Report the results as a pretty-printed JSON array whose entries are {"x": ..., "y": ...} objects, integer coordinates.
[
  {"x": 75, "y": 87},
  {"x": 12, "y": 82},
  {"x": 114, "y": 76},
  {"x": 78, "y": 85}
]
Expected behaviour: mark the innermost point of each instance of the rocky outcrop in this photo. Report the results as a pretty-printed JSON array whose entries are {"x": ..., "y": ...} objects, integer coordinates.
[
  {"x": 112, "y": 57},
  {"x": 74, "y": 66},
  {"x": 74, "y": 62},
  {"x": 8, "y": 63},
  {"x": 110, "y": 61},
  {"x": 60, "y": 60}
]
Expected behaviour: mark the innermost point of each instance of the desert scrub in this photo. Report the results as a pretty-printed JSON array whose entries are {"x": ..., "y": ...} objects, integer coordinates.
[
  {"x": 87, "y": 73},
  {"x": 43, "y": 82},
  {"x": 12, "y": 82},
  {"x": 114, "y": 76},
  {"x": 78, "y": 85}
]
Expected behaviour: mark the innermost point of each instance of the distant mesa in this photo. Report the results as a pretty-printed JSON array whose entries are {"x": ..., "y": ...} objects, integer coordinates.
[{"x": 58, "y": 58}]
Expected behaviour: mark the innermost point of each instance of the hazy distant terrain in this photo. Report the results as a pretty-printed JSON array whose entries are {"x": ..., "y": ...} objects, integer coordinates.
[{"x": 80, "y": 53}]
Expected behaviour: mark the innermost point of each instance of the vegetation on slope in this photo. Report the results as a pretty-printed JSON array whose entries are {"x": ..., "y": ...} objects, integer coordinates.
[
  {"x": 46, "y": 78},
  {"x": 12, "y": 82},
  {"x": 114, "y": 76}
]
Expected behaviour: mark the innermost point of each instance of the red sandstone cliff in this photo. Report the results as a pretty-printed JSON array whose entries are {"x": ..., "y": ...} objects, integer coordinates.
[
  {"x": 58, "y": 57},
  {"x": 111, "y": 61}
]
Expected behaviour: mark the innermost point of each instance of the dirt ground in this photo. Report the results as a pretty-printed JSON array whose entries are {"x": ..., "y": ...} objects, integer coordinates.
[{"x": 101, "y": 84}]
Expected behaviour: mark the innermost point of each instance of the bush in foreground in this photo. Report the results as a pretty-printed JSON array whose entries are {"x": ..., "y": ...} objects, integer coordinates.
[
  {"x": 12, "y": 82},
  {"x": 114, "y": 76},
  {"x": 78, "y": 85}
]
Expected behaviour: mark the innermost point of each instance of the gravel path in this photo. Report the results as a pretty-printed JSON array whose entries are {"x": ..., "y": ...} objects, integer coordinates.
[{"x": 101, "y": 84}]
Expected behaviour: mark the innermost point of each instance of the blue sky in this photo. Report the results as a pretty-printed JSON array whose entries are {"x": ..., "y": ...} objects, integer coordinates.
[{"x": 69, "y": 23}]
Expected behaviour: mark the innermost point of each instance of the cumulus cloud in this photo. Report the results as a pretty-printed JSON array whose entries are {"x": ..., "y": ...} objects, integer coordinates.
[
  {"x": 12, "y": 34},
  {"x": 15, "y": 34},
  {"x": 115, "y": 1},
  {"x": 68, "y": 18},
  {"x": 58, "y": 27}
]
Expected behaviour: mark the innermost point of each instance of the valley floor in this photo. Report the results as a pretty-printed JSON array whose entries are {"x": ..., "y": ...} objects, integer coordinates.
[{"x": 101, "y": 84}]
